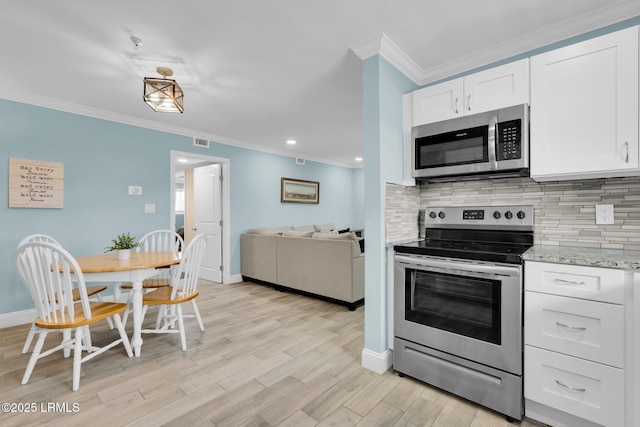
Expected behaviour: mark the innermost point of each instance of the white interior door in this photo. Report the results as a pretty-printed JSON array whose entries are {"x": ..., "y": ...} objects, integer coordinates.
[{"x": 207, "y": 210}]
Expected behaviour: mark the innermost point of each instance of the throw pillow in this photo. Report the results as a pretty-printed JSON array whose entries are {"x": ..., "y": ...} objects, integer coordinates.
[
  {"x": 269, "y": 230},
  {"x": 346, "y": 230},
  {"x": 305, "y": 228},
  {"x": 343, "y": 236},
  {"x": 297, "y": 233},
  {"x": 325, "y": 227}
]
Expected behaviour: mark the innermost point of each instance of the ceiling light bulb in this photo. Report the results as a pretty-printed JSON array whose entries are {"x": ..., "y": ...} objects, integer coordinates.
[
  {"x": 183, "y": 160},
  {"x": 358, "y": 159},
  {"x": 291, "y": 142}
]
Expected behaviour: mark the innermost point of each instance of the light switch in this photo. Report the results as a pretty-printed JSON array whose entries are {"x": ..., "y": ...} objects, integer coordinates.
[
  {"x": 135, "y": 190},
  {"x": 149, "y": 208}
]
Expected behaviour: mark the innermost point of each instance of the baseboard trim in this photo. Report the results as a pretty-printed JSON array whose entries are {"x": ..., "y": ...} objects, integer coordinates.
[
  {"x": 233, "y": 278},
  {"x": 377, "y": 362},
  {"x": 16, "y": 318}
]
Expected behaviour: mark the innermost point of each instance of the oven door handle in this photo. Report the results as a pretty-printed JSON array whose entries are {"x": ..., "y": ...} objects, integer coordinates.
[{"x": 473, "y": 268}]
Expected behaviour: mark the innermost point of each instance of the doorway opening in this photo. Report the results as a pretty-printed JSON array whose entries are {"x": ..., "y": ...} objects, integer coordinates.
[{"x": 208, "y": 213}]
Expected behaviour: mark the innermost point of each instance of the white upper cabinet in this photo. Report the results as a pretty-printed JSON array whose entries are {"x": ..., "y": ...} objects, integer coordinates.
[
  {"x": 584, "y": 109},
  {"x": 487, "y": 90},
  {"x": 497, "y": 87},
  {"x": 438, "y": 102}
]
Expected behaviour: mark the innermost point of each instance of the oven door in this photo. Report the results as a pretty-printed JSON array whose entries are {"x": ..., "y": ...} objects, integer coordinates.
[{"x": 468, "y": 309}]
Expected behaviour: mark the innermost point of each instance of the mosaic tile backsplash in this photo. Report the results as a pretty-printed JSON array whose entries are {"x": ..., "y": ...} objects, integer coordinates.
[
  {"x": 564, "y": 210},
  {"x": 402, "y": 206}
]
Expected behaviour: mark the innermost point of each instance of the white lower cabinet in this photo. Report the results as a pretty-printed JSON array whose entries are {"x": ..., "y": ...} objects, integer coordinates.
[
  {"x": 574, "y": 353},
  {"x": 592, "y": 391},
  {"x": 586, "y": 329}
]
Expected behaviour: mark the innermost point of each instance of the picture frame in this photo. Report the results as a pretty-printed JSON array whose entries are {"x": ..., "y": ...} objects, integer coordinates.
[{"x": 299, "y": 191}]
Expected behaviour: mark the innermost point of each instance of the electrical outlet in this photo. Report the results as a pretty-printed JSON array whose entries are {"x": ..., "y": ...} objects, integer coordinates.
[{"x": 604, "y": 214}]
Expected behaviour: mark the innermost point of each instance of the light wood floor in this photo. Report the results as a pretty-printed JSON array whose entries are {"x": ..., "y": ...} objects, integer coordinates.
[{"x": 266, "y": 358}]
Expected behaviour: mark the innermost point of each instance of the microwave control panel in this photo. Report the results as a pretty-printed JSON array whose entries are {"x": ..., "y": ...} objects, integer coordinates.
[{"x": 509, "y": 140}]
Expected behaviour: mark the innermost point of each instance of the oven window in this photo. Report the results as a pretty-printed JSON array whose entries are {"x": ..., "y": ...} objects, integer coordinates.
[
  {"x": 464, "y": 305},
  {"x": 453, "y": 148}
]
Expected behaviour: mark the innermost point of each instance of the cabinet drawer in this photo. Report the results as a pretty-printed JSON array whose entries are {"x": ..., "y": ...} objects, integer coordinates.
[
  {"x": 592, "y": 283},
  {"x": 585, "y": 389},
  {"x": 586, "y": 329}
]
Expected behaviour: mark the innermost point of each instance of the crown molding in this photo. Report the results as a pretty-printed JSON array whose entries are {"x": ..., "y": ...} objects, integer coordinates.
[
  {"x": 382, "y": 45},
  {"x": 82, "y": 110}
]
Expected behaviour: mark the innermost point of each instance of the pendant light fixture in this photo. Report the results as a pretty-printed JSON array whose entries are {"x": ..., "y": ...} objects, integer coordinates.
[{"x": 163, "y": 94}]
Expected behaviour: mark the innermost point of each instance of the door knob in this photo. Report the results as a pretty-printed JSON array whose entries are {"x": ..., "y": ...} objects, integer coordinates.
[{"x": 194, "y": 228}]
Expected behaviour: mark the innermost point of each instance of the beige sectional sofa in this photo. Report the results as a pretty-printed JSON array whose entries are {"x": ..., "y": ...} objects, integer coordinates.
[{"x": 319, "y": 263}]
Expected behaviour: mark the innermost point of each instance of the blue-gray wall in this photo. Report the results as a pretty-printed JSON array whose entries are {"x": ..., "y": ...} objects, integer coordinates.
[
  {"x": 102, "y": 158},
  {"x": 383, "y": 88}
]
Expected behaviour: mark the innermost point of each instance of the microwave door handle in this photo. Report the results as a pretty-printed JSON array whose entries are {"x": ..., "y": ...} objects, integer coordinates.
[{"x": 492, "y": 142}]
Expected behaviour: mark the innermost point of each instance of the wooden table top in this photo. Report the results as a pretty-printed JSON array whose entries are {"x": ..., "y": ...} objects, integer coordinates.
[{"x": 110, "y": 262}]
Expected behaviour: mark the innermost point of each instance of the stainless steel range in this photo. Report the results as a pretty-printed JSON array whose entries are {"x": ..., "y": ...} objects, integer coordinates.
[{"x": 458, "y": 304}]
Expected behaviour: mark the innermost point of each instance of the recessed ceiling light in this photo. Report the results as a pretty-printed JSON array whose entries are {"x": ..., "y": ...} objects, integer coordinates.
[
  {"x": 291, "y": 141},
  {"x": 358, "y": 159}
]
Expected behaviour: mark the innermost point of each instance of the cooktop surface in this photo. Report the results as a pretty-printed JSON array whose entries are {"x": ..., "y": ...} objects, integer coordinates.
[{"x": 510, "y": 253}]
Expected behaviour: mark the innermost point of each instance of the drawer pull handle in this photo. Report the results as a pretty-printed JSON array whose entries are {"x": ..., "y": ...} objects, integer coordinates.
[
  {"x": 573, "y": 328},
  {"x": 577, "y": 390},
  {"x": 568, "y": 282}
]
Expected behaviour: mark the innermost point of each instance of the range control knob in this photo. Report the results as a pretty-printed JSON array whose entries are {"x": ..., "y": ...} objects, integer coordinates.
[
  {"x": 441, "y": 215},
  {"x": 432, "y": 215},
  {"x": 508, "y": 215},
  {"x": 496, "y": 215},
  {"x": 521, "y": 215}
]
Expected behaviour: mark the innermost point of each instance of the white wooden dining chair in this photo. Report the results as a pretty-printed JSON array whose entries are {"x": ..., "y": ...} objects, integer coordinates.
[
  {"x": 154, "y": 241},
  {"x": 49, "y": 273},
  {"x": 91, "y": 291},
  {"x": 183, "y": 289}
]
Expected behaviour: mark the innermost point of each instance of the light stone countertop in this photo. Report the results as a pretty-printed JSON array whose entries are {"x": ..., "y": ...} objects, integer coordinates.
[
  {"x": 390, "y": 245},
  {"x": 591, "y": 257}
]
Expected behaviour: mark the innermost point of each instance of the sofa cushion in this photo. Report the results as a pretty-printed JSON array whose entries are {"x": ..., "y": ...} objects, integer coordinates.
[
  {"x": 330, "y": 235},
  {"x": 325, "y": 227},
  {"x": 297, "y": 233},
  {"x": 305, "y": 228},
  {"x": 269, "y": 230},
  {"x": 356, "y": 247}
]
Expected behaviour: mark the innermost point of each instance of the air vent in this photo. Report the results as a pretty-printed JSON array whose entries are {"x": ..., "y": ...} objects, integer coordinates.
[
  {"x": 199, "y": 142},
  {"x": 299, "y": 161}
]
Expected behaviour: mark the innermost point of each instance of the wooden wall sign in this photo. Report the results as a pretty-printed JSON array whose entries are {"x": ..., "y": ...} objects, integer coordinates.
[{"x": 35, "y": 184}]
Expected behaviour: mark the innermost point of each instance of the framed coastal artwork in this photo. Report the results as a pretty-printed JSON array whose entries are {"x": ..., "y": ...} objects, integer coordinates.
[{"x": 299, "y": 191}]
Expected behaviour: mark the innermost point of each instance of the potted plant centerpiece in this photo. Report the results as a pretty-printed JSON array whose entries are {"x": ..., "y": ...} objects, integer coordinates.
[{"x": 123, "y": 244}]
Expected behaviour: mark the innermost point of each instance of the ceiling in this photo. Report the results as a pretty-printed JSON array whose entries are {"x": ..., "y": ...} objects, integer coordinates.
[{"x": 256, "y": 73}]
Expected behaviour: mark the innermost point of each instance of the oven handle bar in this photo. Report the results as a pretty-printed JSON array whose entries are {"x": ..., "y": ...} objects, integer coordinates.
[{"x": 474, "y": 268}]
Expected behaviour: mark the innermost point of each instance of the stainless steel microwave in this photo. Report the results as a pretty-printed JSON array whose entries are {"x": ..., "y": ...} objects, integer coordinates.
[{"x": 484, "y": 145}]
